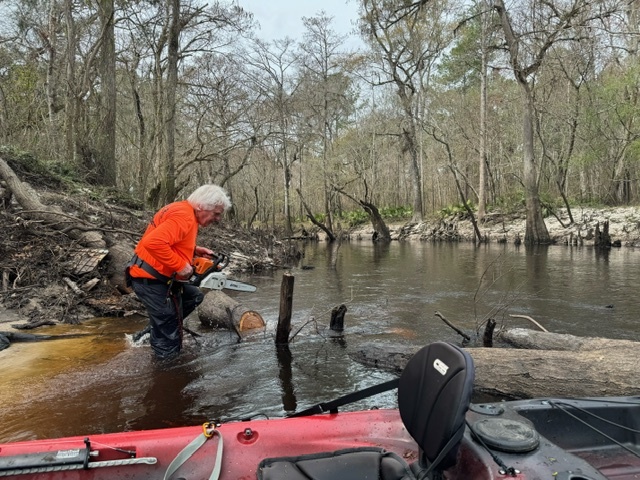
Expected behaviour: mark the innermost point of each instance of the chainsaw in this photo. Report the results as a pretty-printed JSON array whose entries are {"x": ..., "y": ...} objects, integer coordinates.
[{"x": 207, "y": 274}]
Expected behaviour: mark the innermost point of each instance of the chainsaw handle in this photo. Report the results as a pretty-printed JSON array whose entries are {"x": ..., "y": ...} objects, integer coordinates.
[{"x": 220, "y": 261}]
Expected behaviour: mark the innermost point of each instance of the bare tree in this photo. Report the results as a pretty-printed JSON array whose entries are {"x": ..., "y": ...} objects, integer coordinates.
[
  {"x": 542, "y": 27},
  {"x": 408, "y": 42},
  {"x": 273, "y": 72},
  {"x": 182, "y": 30},
  {"x": 325, "y": 92}
]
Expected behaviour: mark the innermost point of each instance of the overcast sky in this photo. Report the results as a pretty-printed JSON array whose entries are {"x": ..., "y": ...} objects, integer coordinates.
[{"x": 281, "y": 18}]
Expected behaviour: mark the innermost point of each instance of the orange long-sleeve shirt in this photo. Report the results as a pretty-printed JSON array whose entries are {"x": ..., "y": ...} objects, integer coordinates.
[{"x": 169, "y": 242}]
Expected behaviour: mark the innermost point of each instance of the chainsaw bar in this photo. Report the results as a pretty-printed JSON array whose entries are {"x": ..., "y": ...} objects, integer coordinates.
[{"x": 219, "y": 281}]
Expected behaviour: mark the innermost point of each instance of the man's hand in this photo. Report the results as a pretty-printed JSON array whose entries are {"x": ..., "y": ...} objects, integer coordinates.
[
  {"x": 204, "y": 252},
  {"x": 185, "y": 273}
]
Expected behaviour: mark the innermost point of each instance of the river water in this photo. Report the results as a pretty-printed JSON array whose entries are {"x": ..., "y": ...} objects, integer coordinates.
[{"x": 101, "y": 382}]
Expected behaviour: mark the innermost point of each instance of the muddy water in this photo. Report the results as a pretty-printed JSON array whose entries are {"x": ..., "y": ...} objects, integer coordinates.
[{"x": 101, "y": 382}]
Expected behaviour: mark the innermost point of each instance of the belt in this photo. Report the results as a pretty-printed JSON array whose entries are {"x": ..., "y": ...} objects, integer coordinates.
[
  {"x": 136, "y": 260},
  {"x": 148, "y": 281}
]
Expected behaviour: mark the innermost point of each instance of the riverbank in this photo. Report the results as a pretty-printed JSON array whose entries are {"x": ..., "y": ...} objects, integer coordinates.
[
  {"x": 623, "y": 224},
  {"x": 48, "y": 299}
]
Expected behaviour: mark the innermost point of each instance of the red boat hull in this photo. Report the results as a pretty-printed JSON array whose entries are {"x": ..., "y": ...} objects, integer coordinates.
[
  {"x": 245, "y": 445},
  {"x": 566, "y": 449}
]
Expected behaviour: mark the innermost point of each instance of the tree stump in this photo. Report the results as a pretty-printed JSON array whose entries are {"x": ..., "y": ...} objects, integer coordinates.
[
  {"x": 221, "y": 311},
  {"x": 337, "y": 318},
  {"x": 487, "y": 338},
  {"x": 286, "y": 303},
  {"x": 602, "y": 238}
]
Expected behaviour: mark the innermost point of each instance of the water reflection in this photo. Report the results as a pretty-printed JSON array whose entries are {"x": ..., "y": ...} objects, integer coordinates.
[
  {"x": 536, "y": 268},
  {"x": 163, "y": 395},
  {"x": 101, "y": 383},
  {"x": 285, "y": 358},
  {"x": 380, "y": 252}
]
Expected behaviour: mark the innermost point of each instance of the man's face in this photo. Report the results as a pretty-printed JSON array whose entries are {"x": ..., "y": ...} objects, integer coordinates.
[{"x": 207, "y": 217}]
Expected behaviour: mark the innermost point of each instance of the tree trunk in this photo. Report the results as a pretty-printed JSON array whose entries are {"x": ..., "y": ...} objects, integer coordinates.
[
  {"x": 584, "y": 367},
  {"x": 106, "y": 135},
  {"x": 330, "y": 235},
  {"x": 482, "y": 164},
  {"x": 171, "y": 87},
  {"x": 602, "y": 238},
  {"x": 51, "y": 80},
  {"x": 337, "y": 318},
  {"x": 382, "y": 233},
  {"x": 536, "y": 229},
  {"x": 284, "y": 315},
  {"x": 221, "y": 311},
  {"x": 379, "y": 225},
  {"x": 288, "y": 229},
  {"x": 70, "y": 77}
]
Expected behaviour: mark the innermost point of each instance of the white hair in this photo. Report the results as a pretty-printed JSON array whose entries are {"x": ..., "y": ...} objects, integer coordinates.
[{"x": 209, "y": 196}]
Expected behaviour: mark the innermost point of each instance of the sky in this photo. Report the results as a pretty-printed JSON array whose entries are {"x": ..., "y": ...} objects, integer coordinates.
[{"x": 281, "y": 18}]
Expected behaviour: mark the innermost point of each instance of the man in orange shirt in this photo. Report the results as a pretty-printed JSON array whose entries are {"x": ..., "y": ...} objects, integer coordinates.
[{"x": 164, "y": 256}]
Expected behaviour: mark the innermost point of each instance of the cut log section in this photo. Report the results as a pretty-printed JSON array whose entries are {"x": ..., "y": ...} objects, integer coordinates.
[
  {"x": 598, "y": 367},
  {"x": 219, "y": 310}
]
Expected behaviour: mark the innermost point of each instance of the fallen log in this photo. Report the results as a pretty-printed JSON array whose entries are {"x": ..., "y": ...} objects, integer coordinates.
[
  {"x": 535, "y": 340},
  {"x": 221, "y": 311},
  {"x": 7, "y": 338},
  {"x": 33, "y": 208},
  {"x": 608, "y": 370}
]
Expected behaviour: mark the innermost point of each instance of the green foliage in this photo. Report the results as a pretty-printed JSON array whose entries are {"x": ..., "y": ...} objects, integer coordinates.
[
  {"x": 22, "y": 89},
  {"x": 589, "y": 203},
  {"x": 396, "y": 213},
  {"x": 115, "y": 196},
  {"x": 355, "y": 217},
  {"x": 512, "y": 202},
  {"x": 360, "y": 217},
  {"x": 461, "y": 65},
  {"x": 633, "y": 152},
  {"x": 458, "y": 209}
]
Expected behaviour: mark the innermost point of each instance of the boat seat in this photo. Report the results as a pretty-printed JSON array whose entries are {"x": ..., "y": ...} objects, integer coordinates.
[{"x": 434, "y": 393}]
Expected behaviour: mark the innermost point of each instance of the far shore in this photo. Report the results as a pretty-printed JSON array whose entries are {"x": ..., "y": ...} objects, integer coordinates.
[{"x": 623, "y": 223}]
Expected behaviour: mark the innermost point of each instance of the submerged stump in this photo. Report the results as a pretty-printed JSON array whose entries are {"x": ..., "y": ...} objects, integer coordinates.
[{"x": 337, "y": 318}]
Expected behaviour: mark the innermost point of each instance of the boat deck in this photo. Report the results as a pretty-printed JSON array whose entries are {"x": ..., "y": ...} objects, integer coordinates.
[{"x": 586, "y": 439}]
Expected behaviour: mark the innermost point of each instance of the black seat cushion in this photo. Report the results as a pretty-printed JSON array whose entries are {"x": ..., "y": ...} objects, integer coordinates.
[
  {"x": 348, "y": 464},
  {"x": 433, "y": 397}
]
